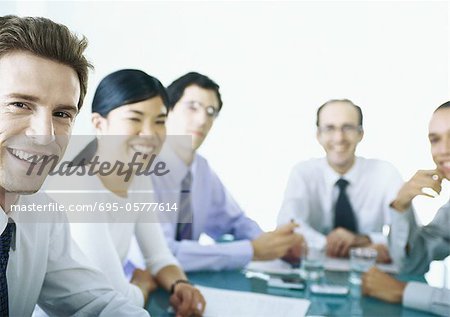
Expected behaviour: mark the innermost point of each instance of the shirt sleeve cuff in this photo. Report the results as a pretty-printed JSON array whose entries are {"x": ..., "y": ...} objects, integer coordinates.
[
  {"x": 136, "y": 296},
  {"x": 216, "y": 257},
  {"x": 417, "y": 296},
  {"x": 312, "y": 237},
  {"x": 243, "y": 254},
  {"x": 377, "y": 238},
  {"x": 399, "y": 235},
  {"x": 158, "y": 264}
]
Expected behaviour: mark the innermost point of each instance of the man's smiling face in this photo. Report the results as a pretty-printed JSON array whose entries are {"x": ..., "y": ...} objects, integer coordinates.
[
  {"x": 439, "y": 136},
  {"x": 38, "y": 105}
]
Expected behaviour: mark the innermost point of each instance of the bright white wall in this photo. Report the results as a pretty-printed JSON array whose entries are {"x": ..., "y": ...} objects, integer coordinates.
[{"x": 276, "y": 63}]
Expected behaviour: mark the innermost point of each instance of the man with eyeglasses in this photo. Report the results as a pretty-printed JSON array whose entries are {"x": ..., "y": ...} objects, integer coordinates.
[
  {"x": 341, "y": 200},
  {"x": 204, "y": 205}
]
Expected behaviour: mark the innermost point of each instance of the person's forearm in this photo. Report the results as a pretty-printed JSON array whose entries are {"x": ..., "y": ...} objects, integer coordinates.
[{"x": 168, "y": 275}]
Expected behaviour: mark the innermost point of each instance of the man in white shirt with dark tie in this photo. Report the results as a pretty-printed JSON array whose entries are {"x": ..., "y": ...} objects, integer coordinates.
[
  {"x": 43, "y": 78},
  {"x": 341, "y": 200}
]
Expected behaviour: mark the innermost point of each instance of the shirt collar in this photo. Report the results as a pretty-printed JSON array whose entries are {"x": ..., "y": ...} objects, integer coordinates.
[
  {"x": 331, "y": 176},
  {"x": 175, "y": 164},
  {"x": 11, "y": 216},
  {"x": 4, "y": 219}
]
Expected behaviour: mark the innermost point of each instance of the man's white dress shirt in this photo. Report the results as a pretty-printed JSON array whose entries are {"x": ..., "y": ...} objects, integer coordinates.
[
  {"x": 42, "y": 269},
  {"x": 311, "y": 195}
]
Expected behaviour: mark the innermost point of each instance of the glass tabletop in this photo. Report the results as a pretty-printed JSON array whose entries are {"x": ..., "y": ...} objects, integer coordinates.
[{"x": 352, "y": 304}]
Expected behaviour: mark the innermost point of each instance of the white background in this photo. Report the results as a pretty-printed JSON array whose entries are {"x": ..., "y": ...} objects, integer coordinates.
[{"x": 276, "y": 63}]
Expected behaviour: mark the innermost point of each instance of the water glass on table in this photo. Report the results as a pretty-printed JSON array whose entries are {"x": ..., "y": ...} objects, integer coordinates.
[
  {"x": 312, "y": 263},
  {"x": 361, "y": 260}
]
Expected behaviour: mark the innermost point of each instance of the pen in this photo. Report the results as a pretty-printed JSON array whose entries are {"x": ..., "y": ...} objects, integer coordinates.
[{"x": 293, "y": 222}]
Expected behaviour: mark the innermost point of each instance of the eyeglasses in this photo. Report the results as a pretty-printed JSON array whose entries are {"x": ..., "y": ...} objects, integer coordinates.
[
  {"x": 347, "y": 129},
  {"x": 195, "y": 106}
]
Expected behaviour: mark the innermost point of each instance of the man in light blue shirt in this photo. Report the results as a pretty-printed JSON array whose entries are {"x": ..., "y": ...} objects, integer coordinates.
[{"x": 194, "y": 103}]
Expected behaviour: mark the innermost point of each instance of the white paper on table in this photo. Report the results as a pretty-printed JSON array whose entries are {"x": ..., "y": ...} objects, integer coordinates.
[
  {"x": 271, "y": 267},
  {"x": 331, "y": 264},
  {"x": 343, "y": 265},
  {"x": 220, "y": 302}
]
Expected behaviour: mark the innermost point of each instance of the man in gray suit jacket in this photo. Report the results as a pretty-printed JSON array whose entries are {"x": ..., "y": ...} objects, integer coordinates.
[{"x": 413, "y": 247}]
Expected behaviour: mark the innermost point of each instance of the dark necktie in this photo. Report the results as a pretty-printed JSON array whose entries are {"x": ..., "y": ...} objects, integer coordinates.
[
  {"x": 343, "y": 211},
  {"x": 184, "y": 225},
  {"x": 5, "y": 244}
]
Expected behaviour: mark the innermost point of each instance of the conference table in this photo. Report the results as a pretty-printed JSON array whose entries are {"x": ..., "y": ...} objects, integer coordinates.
[{"x": 353, "y": 304}]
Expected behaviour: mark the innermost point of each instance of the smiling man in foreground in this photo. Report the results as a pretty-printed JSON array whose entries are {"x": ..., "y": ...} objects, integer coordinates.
[{"x": 43, "y": 78}]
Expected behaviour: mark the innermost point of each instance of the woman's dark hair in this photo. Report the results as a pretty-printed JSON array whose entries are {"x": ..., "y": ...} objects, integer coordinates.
[{"x": 124, "y": 87}]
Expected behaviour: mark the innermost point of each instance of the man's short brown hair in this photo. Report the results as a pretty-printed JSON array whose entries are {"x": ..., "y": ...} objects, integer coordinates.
[{"x": 47, "y": 39}]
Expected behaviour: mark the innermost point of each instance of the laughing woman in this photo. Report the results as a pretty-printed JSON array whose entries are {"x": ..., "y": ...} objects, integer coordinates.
[{"x": 128, "y": 114}]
